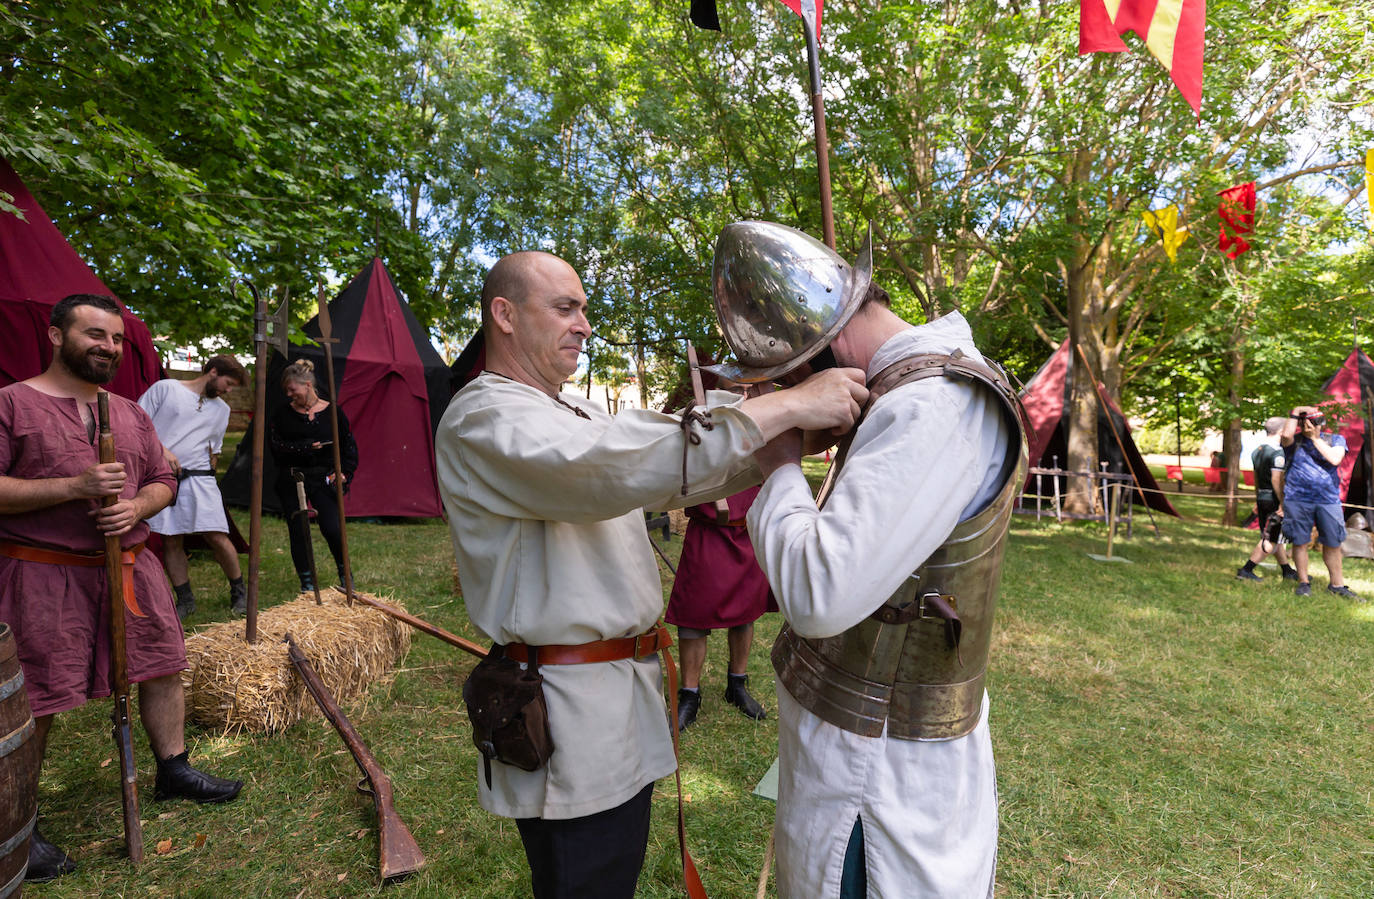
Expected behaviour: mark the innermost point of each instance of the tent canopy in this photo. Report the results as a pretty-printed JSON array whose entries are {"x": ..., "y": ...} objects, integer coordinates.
[
  {"x": 1350, "y": 387},
  {"x": 37, "y": 268},
  {"x": 392, "y": 386},
  {"x": 1046, "y": 397}
]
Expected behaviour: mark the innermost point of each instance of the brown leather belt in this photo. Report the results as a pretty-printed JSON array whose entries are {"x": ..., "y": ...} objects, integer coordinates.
[
  {"x": 26, "y": 553},
  {"x": 651, "y": 642}
]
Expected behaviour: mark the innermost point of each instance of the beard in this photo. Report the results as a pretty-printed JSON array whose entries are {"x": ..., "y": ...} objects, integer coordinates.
[{"x": 91, "y": 366}]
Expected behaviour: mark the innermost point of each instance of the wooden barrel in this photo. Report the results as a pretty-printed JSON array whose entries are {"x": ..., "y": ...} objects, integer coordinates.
[{"x": 19, "y": 764}]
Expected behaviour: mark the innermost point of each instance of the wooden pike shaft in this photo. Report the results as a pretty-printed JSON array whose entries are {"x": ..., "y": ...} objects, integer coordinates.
[
  {"x": 424, "y": 626},
  {"x": 250, "y": 633},
  {"x": 813, "y": 54},
  {"x": 123, "y": 736},
  {"x": 326, "y": 332}
]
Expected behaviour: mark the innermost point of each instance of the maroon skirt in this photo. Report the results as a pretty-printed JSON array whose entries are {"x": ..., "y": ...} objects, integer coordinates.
[{"x": 719, "y": 583}]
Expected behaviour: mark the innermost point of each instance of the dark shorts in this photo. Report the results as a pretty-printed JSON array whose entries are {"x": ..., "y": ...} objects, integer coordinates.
[
  {"x": 1300, "y": 515},
  {"x": 62, "y": 629}
]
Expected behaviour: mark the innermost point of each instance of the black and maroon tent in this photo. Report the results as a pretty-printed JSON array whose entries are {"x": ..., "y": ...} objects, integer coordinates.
[
  {"x": 37, "y": 268},
  {"x": 1047, "y": 395},
  {"x": 1352, "y": 389},
  {"x": 393, "y": 387}
]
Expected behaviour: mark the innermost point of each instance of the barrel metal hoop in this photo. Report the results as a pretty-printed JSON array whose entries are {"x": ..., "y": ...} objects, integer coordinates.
[
  {"x": 16, "y": 737},
  {"x": 11, "y": 686},
  {"x": 19, "y": 836},
  {"x": 11, "y": 888}
]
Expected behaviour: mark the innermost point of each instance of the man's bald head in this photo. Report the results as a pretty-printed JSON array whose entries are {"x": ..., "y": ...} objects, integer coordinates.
[{"x": 513, "y": 276}]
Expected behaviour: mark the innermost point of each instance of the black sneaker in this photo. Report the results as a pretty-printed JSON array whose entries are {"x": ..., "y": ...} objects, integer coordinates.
[
  {"x": 1290, "y": 574},
  {"x": 176, "y": 779},
  {"x": 46, "y": 861},
  {"x": 737, "y": 694},
  {"x": 1343, "y": 592},
  {"x": 688, "y": 704},
  {"x": 1248, "y": 574},
  {"x": 1304, "y": 588}
]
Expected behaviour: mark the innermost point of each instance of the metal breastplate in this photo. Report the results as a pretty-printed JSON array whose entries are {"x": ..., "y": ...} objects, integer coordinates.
[{"x": 918, "y": 663}]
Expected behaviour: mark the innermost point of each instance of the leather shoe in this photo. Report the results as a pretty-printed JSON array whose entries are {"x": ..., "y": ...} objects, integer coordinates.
[
  {"x": 737, "y": 694},
  {"x": 238, "y": 598},
  {"x": 1247, "y": 574},
  {"x": 688, "y": 704},
  {"x": 46, "y": 861},
  {"x": 176, "y": 779}
]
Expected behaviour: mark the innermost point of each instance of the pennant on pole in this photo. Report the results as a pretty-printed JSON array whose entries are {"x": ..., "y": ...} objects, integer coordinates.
[
  {"x": 1171, "y": 29},
  {"x": 1165, "y": 224},
  {"x": 1237, "y": 210},
  {"x": 704, "y": 15}
]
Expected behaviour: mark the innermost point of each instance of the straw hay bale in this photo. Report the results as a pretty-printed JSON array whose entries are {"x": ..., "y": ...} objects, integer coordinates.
[
  {"x": 234, "y": 686},
  {"x": 677, "y": 521}
]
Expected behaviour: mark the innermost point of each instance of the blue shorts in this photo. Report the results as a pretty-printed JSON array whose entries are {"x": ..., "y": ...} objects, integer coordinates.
[{"x": 1298, "y": 519}]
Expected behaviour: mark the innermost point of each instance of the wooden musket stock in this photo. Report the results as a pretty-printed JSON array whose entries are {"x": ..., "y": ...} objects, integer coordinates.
[
  {"x": 119, "y": 687},
  {"x": 399, "y": 854}
]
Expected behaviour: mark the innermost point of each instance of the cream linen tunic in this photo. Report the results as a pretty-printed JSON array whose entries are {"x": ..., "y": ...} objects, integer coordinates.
[
  {"x": 926, "y": 457},
  {"x": 192, "y": 430},
  {"x": 546, "y": 513}
]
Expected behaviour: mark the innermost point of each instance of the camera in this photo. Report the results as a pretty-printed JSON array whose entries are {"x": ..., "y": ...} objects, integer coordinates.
[{"x": 1316, "y": 418}]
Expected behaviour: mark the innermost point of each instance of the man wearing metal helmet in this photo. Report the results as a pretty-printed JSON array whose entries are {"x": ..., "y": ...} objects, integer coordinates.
[
  {"x": 544, "y": 492},
  {"x": 887, "y": 783}
]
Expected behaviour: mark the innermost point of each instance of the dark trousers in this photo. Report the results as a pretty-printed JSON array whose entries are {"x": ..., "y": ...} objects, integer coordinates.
[
  {"x": 593, "y": 857},
  {"x": 322, "y": 497}
]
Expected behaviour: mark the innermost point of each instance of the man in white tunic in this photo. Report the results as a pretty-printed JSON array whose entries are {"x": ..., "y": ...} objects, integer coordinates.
[
  {"x": 887, "y": 785},
  {"x": 544, "y": 493},
  {"x": 190, "y": 419}
]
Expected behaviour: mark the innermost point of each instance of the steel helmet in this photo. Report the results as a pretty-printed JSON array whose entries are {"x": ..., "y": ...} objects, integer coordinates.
[{"x": 781, "y": 296}]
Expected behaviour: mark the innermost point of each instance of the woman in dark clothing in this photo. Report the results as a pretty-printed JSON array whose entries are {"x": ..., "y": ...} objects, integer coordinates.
[{"x": 301, "y": 440}]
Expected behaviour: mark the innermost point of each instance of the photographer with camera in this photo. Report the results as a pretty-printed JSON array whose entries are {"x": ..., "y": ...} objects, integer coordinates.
[
  {"x": 1268, "y": 462},
  {"x": 1312, "y": 494}
]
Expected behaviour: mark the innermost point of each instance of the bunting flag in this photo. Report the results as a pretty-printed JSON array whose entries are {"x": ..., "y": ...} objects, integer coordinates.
[
  {"x": 1237, "y": 210},
  {"x": 704, "y": 13},
  {"x": 1165, "y": 224},
  {"x": 1171, "y": 29}
]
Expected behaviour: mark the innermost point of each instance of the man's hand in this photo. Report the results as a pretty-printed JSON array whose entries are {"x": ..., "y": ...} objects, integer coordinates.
[
  {"x": 829, "y": 400},
  {"x": 784, "y": 449},
  {"x": 172, "y": 461},
  {"x": 101, "y": 480},
  {"x": 117, "y": 519}
]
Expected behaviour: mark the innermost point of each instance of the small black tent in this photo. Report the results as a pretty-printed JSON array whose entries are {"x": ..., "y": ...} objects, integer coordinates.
[{"x": 393, "y": 387}]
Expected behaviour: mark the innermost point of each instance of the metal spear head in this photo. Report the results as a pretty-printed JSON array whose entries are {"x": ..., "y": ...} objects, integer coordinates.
[
  {"x": 280, "y": 325},
  {"x": 326, "y": 328}
]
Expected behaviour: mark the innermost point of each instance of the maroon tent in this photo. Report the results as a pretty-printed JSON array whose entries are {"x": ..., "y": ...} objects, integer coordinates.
[
  {"x": 1352, "y": 389},
  {"x": 1046, "y": 396},
  {"x": 392, "y": 385},
  {"x": 37, "y": 268}
]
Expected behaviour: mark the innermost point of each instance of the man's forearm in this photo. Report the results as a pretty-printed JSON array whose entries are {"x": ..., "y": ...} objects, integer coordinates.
[
  {"x": 20, "y": 495},
  {"x": 1332, "y": 455},
  {"x": 152, "y": 499}
]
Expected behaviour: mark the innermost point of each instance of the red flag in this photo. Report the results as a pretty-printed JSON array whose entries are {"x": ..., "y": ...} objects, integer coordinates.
[
  {"x": 1171, "y": 29},
  {"x": 1237, "y": 209}
]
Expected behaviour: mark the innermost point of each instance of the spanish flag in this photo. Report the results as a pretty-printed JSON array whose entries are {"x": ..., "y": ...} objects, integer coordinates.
[{"x": 1171, "y": 29}]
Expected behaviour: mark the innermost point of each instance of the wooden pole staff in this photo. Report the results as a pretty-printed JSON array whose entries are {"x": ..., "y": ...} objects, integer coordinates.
[
  {"x": 119, "y": 687},
  {"x": 327, "y": 341},
  {"x": 813, "y": 53}
]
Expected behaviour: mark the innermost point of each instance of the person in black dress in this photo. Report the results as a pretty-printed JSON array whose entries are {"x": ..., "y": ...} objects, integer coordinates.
[{"x": 300, "y": 437}]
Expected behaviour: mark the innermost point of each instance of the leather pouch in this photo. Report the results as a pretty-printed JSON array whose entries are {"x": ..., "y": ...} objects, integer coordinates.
[{"x": 510, "y": 719}]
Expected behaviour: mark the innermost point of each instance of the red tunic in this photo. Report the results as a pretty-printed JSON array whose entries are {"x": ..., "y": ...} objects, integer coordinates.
[
  {"x": 719, "y": 584},
  {"x": 59, "y": 613}
]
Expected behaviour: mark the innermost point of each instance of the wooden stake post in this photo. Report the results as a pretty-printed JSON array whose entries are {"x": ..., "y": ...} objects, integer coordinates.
[{"x": 327, "y": 341}]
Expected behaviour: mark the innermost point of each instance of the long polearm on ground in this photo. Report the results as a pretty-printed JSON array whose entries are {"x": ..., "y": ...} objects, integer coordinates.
[
  {"x": 303, "y": 511},
  {"x": 119, "y": 685},
  {"x": 399, "y": 855}
]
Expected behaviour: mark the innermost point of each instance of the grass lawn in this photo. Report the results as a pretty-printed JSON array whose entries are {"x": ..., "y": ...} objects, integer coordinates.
[{"x": 1161, "y": 728}]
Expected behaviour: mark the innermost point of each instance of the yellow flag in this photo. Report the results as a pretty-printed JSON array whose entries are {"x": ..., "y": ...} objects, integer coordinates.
[
  {"x": 1164, "y": 222},
  {"x": 1369, "y": 183}
]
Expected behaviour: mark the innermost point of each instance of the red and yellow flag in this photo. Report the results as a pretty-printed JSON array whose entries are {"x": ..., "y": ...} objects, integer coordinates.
[
  {"x": 1237, "y": 211},
  {"x": 1171, "y": 29}
]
